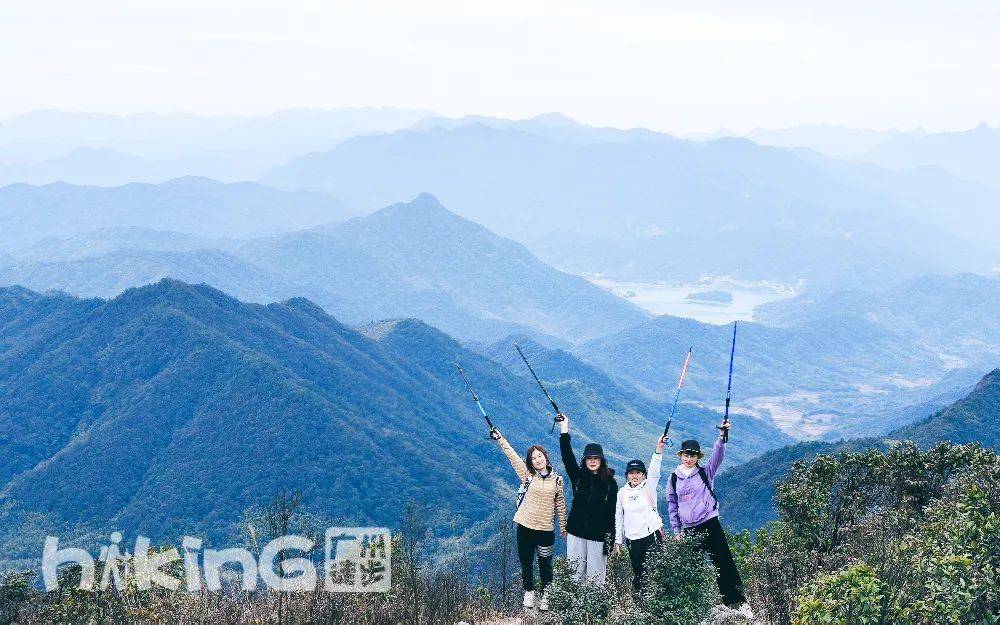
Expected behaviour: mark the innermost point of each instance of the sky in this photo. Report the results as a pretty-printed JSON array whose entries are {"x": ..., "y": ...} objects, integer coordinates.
[{"x": 675, "y": 66}]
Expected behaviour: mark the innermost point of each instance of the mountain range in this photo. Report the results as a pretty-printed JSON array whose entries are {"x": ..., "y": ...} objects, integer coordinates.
[
  {"x": 420, "y": 256},
  {"x": 830, "y": 377},
  {"x": 845, "y": 365},
  {"x": 835, "y": 141},
  {"x": 174, "y": 408},
  {"x": 667, "y": 209},
  {"x": 413, "y": 259},
  {"x": 970, "y": 154},
  {"x": 952, "y": 314}
]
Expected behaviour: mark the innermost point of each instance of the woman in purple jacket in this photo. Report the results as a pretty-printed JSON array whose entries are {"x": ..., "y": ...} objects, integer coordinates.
[{"x": 694, "y": 510}]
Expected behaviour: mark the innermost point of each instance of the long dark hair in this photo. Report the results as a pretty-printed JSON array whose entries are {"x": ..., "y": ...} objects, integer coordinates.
[{"x": 527, "y": 459}]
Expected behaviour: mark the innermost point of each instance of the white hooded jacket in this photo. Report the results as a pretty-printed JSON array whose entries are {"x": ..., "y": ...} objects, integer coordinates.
[{"x": 635, "y": 513}]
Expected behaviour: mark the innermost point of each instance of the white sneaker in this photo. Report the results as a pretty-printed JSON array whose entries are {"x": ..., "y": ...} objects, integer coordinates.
[
  {"x": 543, "y": 603},
  {"x": 746, "y": 611},
  {"x": 529, "y": 598}
]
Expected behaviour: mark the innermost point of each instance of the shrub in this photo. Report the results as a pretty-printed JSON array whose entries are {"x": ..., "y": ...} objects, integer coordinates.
[
  {"x": 902, "y": 536},
  {"x": 577, "y": 601},
  {"x": 680, "y": 585},
  {"x": 853, "y": 596}
]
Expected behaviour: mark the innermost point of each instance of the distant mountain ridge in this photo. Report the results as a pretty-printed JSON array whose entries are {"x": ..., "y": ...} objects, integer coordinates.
[
  {"x": 970, "y": 154},
  {"x": 664, "y": 209},
  {"x": 414, "y": 259},
  {"x": 420, "y": 252},
  {"x": 90, "y": 166},
  {"x": 189, "y": 205},
  {"x": 953, "y": 314},
  {"x": 832, "y": 140},
  {"x": 826, "y": 376},
  {"x": 40, "y": 146},
  {"x": 550, "y": 125}
]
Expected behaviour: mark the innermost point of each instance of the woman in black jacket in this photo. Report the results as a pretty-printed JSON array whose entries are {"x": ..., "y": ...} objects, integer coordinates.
[{"x": 592, "y": 517}]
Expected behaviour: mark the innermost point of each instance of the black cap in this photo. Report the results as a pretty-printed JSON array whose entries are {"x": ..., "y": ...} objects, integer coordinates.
[
  {"x": 691, "y": 446},
  {"x": 593, "y": 450},
  {"x": 635, "y": 465}
]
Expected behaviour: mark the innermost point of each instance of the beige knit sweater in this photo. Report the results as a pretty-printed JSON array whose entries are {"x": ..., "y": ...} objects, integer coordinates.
[{"x": 544, "y": 495}]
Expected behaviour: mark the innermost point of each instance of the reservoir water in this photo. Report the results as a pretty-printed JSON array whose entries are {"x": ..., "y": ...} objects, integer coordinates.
[{"x": 682, "y": 300}]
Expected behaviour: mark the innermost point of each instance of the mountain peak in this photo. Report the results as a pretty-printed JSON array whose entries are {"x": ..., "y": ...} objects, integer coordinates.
[
  {"x": 991, "y": 379},
  {"x": 426, "y": 200},
  {"x": 424, "y": 205},
  {"x": 555, "y": 119},
  {"x": 385, "y": 329},
  {"x": 18, "y": 293},
  {"x": 305, "y": 305}
]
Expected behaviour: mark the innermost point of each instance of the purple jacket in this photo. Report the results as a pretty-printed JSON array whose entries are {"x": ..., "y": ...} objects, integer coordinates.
[{"x": 692, "y": 504}]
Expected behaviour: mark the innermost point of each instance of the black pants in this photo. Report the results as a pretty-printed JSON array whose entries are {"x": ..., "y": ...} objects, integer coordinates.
[
  {"x": 637, "y": 551},
  {"x": 712, "y": 540},
  {"x": 530, "y": 541}
]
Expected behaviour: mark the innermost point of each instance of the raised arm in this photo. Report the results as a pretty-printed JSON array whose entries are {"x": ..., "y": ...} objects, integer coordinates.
[
  {"x": 653, "y": 476},
  {"x": 718, "y": 453},
  {"x": 573, "y": 470},
  {"x": 516, "y": 461}
]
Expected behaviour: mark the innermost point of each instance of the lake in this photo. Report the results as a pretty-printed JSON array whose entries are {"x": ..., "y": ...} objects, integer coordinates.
[{"x": 673, "y": 299}]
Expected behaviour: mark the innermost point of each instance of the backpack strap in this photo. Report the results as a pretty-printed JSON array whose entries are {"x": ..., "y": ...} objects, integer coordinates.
[
  {"x": 708, "y": 485},
  {"x": 522, "y": 491},
  {"x": 704, "y": 478}
]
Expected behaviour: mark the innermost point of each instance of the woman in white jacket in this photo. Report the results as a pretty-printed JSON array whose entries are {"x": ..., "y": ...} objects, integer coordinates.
[{"x": 637, "y": 522}]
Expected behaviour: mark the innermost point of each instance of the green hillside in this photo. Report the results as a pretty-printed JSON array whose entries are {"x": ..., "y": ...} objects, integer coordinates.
[{"x": 748, "y": 490}]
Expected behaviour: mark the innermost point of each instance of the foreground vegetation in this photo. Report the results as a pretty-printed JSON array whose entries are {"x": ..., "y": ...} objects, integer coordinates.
[{"x": 872, "y": 537}]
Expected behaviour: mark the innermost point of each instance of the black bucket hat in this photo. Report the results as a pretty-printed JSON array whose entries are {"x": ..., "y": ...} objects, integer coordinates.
[
  {"x": 593, "y": 450},
  {"x": 635, "y": 465},
  {"x": 691, "y": 446}
]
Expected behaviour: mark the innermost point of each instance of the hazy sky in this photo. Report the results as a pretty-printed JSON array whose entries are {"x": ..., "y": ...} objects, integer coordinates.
[{"x": 675, "y": 66}]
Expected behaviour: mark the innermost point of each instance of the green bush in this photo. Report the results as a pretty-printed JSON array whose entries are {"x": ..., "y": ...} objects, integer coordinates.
[
  {"x": 902, "y": 536},
  {"x": 853, "y": 596},
  {"x": 577, "y": 601},
  {"x": 680, "y": 585}
]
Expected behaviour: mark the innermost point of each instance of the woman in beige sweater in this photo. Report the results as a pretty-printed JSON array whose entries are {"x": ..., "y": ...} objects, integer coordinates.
[{"x": 540, "y": 497}]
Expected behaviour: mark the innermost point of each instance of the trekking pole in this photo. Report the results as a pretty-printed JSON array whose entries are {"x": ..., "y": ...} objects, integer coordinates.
[
  {"x": 475, "y": 398},
  {"x": 677, "y": 396},
  {"x": 559, "y": 416},
  {"x": 729, "y": 390}
]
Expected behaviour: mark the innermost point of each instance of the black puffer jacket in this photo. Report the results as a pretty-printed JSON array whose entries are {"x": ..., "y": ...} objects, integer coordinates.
[{"x": 592, "y": 516}]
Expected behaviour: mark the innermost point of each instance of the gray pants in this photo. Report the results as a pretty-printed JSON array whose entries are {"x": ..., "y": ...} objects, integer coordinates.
[{"x": 586, "y": 557}]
